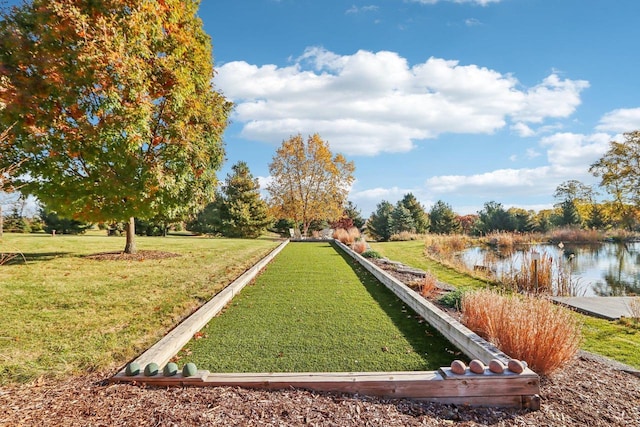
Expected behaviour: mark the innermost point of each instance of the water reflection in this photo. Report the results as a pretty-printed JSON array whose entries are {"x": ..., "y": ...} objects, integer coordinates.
[{"x": 604, "y": 269}]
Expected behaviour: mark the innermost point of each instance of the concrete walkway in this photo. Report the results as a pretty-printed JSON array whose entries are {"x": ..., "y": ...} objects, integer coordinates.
[{"x": 610, "y": 308}]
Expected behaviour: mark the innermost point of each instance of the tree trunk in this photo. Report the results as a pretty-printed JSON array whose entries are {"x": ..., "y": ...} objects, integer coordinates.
[{"x": 130, "y": 246}]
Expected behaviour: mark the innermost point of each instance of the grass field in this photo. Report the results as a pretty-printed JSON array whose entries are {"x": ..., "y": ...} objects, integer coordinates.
[
  {"x": 608, "y": 338},
  {"x": 412, "y": 253},
  {"x": 314, "y": 309},
  {"x": 63, "y": 313}
]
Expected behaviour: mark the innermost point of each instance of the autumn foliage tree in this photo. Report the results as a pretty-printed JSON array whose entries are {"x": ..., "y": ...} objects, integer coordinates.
[
  {"x": 308, "y": 182},
  {"x": 114, "y": 107},
  {"x": 9, "y": 168},
  {"x": 619, "y": 173}
]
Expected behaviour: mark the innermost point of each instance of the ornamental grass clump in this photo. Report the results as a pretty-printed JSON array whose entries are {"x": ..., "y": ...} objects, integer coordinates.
[
  {"x": 634, "y": 308},
  {"x": 359, "y": 246},
  {"x": 346, "y": 237},
  {"x": 526, "y": 328},
  {"x": 429, "y": 286}
]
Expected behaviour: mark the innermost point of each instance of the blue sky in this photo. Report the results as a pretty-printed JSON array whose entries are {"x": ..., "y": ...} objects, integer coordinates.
[
  {"x": 465, "y": 101},
  {"x": 461, "y": 101}
]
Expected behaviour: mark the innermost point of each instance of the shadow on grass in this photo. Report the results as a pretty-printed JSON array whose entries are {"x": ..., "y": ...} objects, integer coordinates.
[
  {"x": 424, "y": 339},
  {"x": 16, "y": 258}
]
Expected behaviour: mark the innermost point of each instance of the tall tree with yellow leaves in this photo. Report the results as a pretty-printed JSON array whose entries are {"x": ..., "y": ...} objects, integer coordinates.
[
  {"x": 114, "y": 107},
  {"x": 308, "y": 182}
]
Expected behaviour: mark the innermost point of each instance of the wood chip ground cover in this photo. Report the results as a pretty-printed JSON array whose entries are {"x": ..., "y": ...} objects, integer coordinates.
[{"x": 315, "y": 310}]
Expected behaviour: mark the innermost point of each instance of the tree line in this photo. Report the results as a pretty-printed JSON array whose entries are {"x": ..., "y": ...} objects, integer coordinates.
[{"x": 108, "y": 115}]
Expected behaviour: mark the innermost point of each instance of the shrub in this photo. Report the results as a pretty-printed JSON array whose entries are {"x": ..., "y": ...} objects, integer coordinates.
[
  {"x": 452, "y": 299},
  {"x": 371, "y": 254},
  {"x": 526, "y": 328}
]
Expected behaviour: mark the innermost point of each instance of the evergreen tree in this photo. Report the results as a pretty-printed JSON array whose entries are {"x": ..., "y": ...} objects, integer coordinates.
[
  {"x": 597, "y": 218},
  {"x": 418, "y": 214},
  {"x": 54, "y": 222},
  {"x": 209, "y": 219},
  {"x": 379, "y": 224},
  {"x": 401, "y": 220},
  {"x": 493, "y": 217},
  {"x": 569, "y": 215},
  {"x": 352, "y": 211},
  {"x": 443, "y": 219},
  {"x": 243, "y": 212}
]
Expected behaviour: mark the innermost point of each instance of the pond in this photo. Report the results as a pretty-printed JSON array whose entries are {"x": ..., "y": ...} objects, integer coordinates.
[{"x": 602, "y": 269}]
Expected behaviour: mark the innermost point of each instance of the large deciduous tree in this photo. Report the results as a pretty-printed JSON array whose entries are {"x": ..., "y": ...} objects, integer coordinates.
[
  {"x": 619, "y": 173},
  {"x": 9, "y": 168},
  {"x": 114, "y": 106},
  {"x": 308, "y": 182}
]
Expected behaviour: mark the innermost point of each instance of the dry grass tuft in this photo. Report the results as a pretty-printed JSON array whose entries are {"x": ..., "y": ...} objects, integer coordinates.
[
  {"x": 359, "y": 246},
  {"x": 634, "y": 308},
  {"x": 526, "y": 328},
  {"x": 429, "y": 286},
  {"x": 570, "y": 234},
  {"x": 346, "y": 236},
  {"x": 505, "y": 239}
]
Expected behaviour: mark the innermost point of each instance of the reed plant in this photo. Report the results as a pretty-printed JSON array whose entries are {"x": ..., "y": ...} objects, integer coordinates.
[
  {"x": 573, "y": 234},
  {"x": 527, "y": 328},
  {"x": 505, "y": 239}
]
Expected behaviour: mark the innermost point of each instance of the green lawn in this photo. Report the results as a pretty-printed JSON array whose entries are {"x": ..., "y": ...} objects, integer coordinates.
[
  {"x": 412, "y": 253},
  {"x": 62, "y": 313},
  {"x": 608, "y": 338},
  {"x": 314, "y": 309}
]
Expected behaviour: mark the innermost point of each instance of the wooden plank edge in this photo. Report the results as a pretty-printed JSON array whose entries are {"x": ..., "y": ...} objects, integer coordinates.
[
  {"x": 168, "y": 346},
  {"x": 477, "y": 390}
]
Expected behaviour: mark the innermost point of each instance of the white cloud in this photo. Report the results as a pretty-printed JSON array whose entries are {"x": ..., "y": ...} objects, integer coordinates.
[
  {"x": 472, "y": 22},
  {"x": 621, "y": 120},
  {"x": 368, "y": 103},
  {"x": 522, "y": 130},
  {"x": 553, "y": 97},
  {"x": 478, "y": 2},
  {"x": 569, "y": 156},
  {"x": 356, "y": 9}
]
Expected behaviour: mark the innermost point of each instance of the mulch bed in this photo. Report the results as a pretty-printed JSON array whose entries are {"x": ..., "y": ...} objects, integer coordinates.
[
  {"x": 138, "y": 256},
  {"x": 589, "y": 390},
  {"x": 586, "y": 392}
]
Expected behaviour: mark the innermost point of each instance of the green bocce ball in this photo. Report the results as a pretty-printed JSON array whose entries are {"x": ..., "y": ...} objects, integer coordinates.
[
  {"x": 189, "y": 370},
  {"x": 151, "y": 369},
  {"x": 132, "y": 369},
  {"x": 170, "y": 369}
]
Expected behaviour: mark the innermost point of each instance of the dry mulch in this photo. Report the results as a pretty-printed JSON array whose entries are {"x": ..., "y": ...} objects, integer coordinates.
[
  {"x": 588, "y": 391},
  {"x": 138, "y": 256}
]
